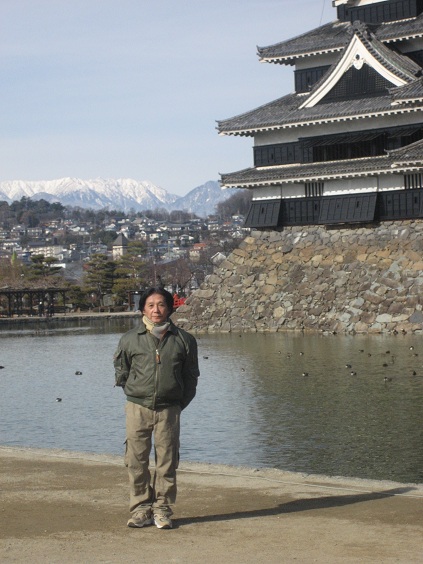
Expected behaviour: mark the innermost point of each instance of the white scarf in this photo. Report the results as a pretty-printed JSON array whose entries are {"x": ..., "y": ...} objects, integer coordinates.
[{"x": 156, "y": 329}]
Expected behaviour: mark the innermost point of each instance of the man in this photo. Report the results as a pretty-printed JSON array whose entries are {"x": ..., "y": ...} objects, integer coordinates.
[{"x": 157, "y": 366}]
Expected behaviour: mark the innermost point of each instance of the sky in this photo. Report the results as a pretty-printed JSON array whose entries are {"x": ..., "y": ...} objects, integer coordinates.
[{"x": 134, "y": 88}]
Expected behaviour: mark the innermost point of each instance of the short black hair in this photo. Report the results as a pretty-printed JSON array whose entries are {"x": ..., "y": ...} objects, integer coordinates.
[{"x": 157, "y": 290}]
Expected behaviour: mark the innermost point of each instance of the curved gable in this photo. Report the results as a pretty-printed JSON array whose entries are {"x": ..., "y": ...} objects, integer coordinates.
[{"x": 364, "y": 49}]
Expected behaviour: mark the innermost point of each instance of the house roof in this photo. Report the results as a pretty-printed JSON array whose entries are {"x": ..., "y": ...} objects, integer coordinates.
[
  {"x": 333, "y": 37},
  {"x": 399, "y": 161},
  {"x": 120, "y": 241}
]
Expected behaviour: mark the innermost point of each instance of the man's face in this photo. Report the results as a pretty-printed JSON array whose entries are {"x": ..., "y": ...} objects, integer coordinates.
[{"x": 156, "y": 309}]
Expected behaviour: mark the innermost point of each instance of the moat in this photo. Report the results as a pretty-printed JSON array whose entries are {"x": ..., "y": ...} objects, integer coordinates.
[{"x": 336, "y": 405}]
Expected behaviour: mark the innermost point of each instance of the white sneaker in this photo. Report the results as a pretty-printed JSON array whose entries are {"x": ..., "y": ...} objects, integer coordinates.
[
  {"x": 140, "y": 519},
  {"x": 162, "y": 521}
]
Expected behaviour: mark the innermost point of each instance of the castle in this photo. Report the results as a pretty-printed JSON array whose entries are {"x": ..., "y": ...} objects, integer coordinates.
[
  {"x": 347, "y": 145},
  {"x": 336, "y": 242}
]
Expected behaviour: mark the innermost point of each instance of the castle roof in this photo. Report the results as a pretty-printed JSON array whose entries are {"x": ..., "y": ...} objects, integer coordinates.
[
  {"x": 363, "y": 48},
  {"x": 295, "y": 110},
  {"x": 399, "y": 161},
  {"x": 286, "y": 113},
  {"x": 409, "y": 155},
  {"x": 412, "y": 92},
  {"x": 334, "y": 36}
]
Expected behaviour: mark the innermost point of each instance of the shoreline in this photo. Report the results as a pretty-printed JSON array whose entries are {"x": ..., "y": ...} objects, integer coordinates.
[
  {"x": 70, "y": 317},
  {"x": 72, "y": 507},
  {"x": 265, "y": 473}
]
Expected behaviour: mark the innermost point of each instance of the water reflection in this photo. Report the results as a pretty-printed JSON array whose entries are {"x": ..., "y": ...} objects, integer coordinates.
[
  {"x": 337, "y": 405},
  {"x": 311, "y": 414}
]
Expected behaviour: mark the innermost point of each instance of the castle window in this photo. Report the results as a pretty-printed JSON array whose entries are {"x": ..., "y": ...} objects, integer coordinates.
[
  {"x": 314, "y": 189},
  {"x": 306, "y": 78},
  {"x": 413, "y": 181},
  {"x": 390, "y": 10}
]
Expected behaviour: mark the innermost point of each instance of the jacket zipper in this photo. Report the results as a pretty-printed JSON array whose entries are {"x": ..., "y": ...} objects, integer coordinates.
[{"x": 158, "y": 361}]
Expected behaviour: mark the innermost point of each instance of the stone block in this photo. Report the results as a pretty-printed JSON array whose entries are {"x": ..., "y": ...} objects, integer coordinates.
[
  {"x": 240, "y": 252},
  {"x": 373, "y": 298},
  {"x": 368, "y": 317},
  {"x": 205, "y": 294},
  {"x": 416, "y": 317},
  {"x": 384, "y": 318},
  {"x": 268, "y": 289},
  {"x": 279, "y": 312},
  {"x": 413, "y": 256},
  {"x": 213, "y": 279}
]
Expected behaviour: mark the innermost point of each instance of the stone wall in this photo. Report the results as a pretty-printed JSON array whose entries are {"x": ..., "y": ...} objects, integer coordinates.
[{"x": 354, "y": 279}]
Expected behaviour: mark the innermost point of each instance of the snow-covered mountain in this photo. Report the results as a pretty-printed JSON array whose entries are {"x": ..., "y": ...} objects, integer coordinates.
[
  {"x": 122, "y": 194},
  {"x": 203, "y": 200},
  {"x": 117, "y": 194}
]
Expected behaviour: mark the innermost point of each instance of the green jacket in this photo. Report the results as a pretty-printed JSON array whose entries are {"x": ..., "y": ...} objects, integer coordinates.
[{"x": 155, "y": 373}]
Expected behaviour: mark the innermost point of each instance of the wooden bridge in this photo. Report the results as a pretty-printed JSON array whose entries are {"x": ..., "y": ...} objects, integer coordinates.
[{"x": 33, "y": 302}]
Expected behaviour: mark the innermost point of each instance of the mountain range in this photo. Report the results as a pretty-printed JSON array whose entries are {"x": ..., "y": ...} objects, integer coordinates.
[{"x": 117, "y": 194}]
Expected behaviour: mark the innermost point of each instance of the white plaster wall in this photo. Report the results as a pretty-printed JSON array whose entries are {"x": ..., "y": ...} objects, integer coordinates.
[
  {"x": 355, "y": 3},
  {"x": 332, "y": 187},
  {"x": 320, "y": 61},
  {"x": 272, "y": 137},
  {"x": 277, "y": 192},
  {"x": 365, "y": 2},
  {"x": 367, "y": 184},
  {"x": 348, "y": 185},
  {"x": 293, "y": 191},
  {"x": 391, "y": 182},
  {"x": 267, "y": 193}
]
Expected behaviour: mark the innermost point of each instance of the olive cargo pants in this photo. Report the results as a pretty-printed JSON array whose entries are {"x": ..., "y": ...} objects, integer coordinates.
[{"x": 142, "y": 424}]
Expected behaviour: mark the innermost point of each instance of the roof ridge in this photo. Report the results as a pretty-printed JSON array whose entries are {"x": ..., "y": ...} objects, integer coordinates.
[{"x": 333, "y": 36}]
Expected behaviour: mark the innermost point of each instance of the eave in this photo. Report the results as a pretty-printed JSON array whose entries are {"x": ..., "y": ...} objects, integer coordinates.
[
  {"x": 335, "y": 35},
  {"x": 400, "y": 161},
  {"x": 412, "y": 92},
  {"x": 333, "y": 44},
  {"x": 294, "y": 123}
]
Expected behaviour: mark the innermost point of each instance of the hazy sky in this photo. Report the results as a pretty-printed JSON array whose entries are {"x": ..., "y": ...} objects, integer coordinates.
[{"x": 133, "y": 88}]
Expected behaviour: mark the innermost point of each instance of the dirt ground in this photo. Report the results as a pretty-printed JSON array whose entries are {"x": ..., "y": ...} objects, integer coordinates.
[{"x": 62, "y": 507}]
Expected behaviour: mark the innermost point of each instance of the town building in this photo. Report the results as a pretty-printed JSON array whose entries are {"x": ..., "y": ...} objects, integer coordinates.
[
  {"x": 347, "y": 145},
  {"x": 120, "y": 246}
]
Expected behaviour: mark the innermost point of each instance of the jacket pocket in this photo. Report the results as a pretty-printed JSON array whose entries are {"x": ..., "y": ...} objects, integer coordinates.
[{"x": 121, "y": 374}]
